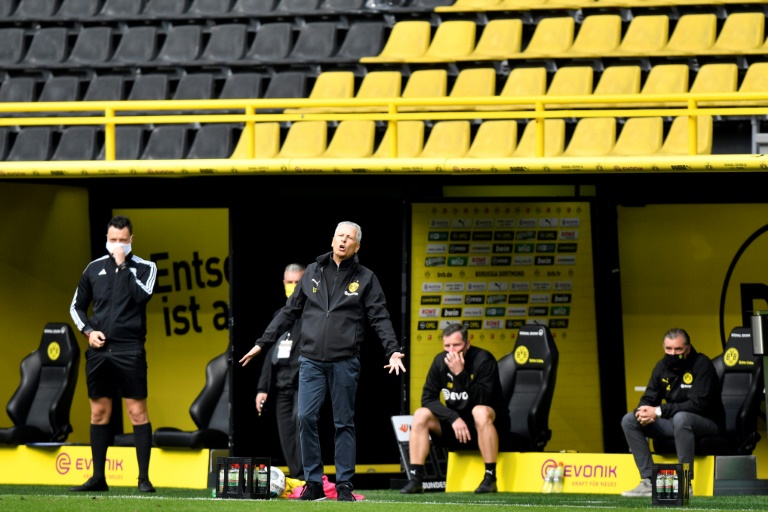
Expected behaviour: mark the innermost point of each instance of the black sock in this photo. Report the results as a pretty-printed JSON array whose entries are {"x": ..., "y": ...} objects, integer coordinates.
[
  {"x": 416, "y": 472},
  {"x": 143, "y": 436},
  {"x": 101, "y": 436},
  {"x": 490, "y": 469}
]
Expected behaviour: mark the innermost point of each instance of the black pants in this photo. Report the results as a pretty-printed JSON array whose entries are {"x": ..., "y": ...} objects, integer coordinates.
[{"x": 286, "y": 411}]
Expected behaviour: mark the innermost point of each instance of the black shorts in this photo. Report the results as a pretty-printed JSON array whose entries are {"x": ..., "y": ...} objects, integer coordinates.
[
  {"x": 110, "y": 372},
  {"x": 448, "y": 437}
]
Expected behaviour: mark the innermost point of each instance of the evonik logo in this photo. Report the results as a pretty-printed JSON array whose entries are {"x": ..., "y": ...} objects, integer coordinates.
[
  {"x": 64, "y": 463},
  {"x": 580, "y": 470}
]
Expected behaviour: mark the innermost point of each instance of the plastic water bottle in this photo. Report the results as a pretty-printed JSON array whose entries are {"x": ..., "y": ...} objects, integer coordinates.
[
  {"x": 548, "y": 479},
  {"x": 233, "y": 482},
  {"x": 221, "y": 480},
  {"x": 557, "y": 480},
  {"x": 661, "y": 481},
  {"x": 261, "y": 480},
  {"x": 675, "y": 486}
]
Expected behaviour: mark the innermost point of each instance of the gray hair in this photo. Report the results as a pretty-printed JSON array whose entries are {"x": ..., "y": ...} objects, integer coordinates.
[
  {"x": 678, "y": 333},
  {"x": 294, "y": 267},
  {"x": 356, "y": 226}
]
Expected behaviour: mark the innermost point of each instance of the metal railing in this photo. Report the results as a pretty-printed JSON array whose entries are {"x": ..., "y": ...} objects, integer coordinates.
[{"x": 110, "y": 114}]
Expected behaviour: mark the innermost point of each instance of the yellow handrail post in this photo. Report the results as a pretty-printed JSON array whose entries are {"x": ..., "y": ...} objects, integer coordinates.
[
  {"x": 693, "y": 129},
  {"x": 393, "y": 131},
  {"x": 539, "y": 107},
  {"x": 250, "y": 132},
  {"x": 109, "y": 134}
]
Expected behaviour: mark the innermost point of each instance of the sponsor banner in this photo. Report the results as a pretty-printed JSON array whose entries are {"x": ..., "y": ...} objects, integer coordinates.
[
  {"x": 496, "y": 267},
  {"x": 72, "y": 465},
  {"x": 584, "y": 473},
  {"x": 189, "y": 310}
]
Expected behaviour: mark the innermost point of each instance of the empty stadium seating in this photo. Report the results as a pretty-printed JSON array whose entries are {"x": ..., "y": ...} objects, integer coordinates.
[{"x": 97, "y": 50}]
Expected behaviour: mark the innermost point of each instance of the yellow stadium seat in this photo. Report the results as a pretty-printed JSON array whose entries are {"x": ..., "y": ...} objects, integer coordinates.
[
  {"x": 755, "y": 80},
  {"x": 330, "y": 85},
  {"x": 407, "y": 40},
  {"x": 694, "y": 34},
  {"x": 471, "y": 83},
  {"x": 494, "y": 139},
  {"x": 527, "y": 5},
  {"x": 521, "y": 82},
  {"x": 713, "y": 78},
  {"x": 333, "y": 85},
  {"x": 742, "y": 32},
  {"x": 499, "y": 40},
  {"x": 410, "y": 140},
  {"x": 599, "y": 34},
  {"x": 518, "y": 5},
  {"x": 453, "y": 40},
  {"x": 554, "y": 139},
  {"x": 665, "y": 79},
  {"x": 305, "y": 139},
  {"x": 676, "y": 141},
  {"x": 448, "y": 139},
  {"x": 568, "y": 4},
  {"x": 571, "y": 81},
  {"x": 553, "y": 37},
  {"x": 352, "y": 139},
  {"x": 375, "y": 85},
  {"x": 646, "y": 35},
  {"x": 425, "y": 83},
  {"x": 266, "y": 141},
  {"x": 593, "y": 136},
  {"x": 639, "y": 136},
  {"x": 616, "y": 80}
]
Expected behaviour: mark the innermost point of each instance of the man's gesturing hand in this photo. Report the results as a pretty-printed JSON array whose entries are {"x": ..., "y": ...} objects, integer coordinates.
[
  {"x": 396, "y": 363},
  {"x": 250, "y": 355}
]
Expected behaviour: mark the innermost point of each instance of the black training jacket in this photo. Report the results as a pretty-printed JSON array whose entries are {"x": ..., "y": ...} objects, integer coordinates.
[
  {"x": 119, "y": 299},
  {"x": 694, "y": 387},
  {"x": 478, "y": 384},
  {"x": 335, "y": 304}
]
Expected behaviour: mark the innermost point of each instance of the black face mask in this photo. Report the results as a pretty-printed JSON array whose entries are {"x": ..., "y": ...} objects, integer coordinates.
[{"x": 674, "y": 361}]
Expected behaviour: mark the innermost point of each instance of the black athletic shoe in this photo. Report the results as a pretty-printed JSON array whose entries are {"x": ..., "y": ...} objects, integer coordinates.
[
  {"x": 344, "y": 492},
  {"x": 93, "y": 484},
  {"x": 412, "y": 487},
  {"x": 487, "y": 485},
  {"x": 145, "y": 485},
  {"x": 313, "y": 491}
]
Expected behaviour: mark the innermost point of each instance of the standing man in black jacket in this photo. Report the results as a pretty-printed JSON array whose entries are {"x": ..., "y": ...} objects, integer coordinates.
[
  {"x": 335, "y": 300},
  {"x": 467, "y": 378},
  {"x": 687, "y": 382},
  {"x": 119, "y": 284},
  {"x": 280, "y": 379}
]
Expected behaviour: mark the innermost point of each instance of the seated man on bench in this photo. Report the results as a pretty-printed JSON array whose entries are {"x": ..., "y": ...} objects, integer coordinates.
[
  {"x": 687, "y": 382},
  {"x": 468, "y": 379}
]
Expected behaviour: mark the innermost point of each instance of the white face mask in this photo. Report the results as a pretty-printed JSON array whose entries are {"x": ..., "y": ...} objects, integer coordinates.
[{"x": 112, "y": 246}]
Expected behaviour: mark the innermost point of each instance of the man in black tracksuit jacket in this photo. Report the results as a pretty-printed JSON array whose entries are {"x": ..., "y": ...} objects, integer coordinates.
[
  {"x": 279, "y": 382},
  {"x": 119, "y": 285},
  {"x": 682, "y": 400},
  {"x": 467, "y": 379},
  {"x": 336, "y": 298}
]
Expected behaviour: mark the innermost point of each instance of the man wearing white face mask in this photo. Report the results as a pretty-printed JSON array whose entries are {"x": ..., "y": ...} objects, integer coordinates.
[
  {"x": 280, "y": 371},
  {"x": 119, "y": 284}
]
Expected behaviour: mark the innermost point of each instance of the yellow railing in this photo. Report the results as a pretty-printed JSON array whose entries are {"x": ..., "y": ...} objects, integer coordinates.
[{"x": 113, "y": 113}]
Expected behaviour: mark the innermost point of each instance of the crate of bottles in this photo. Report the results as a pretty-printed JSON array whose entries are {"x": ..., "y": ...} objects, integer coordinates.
[
  {"x": 243, "y": 478},
  {"x": 670, "y": 484}
]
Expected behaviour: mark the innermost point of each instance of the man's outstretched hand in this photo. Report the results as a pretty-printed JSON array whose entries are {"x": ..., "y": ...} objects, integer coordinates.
[
  {"x": 250, "y": 355},
  {"x": 396, "y": 363}
]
